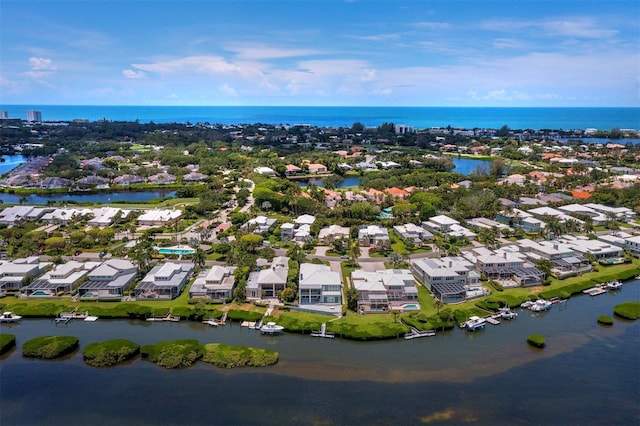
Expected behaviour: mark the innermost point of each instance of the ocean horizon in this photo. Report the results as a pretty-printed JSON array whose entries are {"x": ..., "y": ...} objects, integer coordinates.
[{"x": 535, "y": 118}]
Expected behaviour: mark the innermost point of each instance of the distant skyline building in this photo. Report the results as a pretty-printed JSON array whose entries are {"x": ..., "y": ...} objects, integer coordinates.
[
  {"x": 3, "y": 115},
  {"x": 33, "y": 115}
]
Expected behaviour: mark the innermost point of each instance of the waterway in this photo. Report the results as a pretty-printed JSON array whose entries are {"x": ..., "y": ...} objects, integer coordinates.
[
  {"x": 587, "y": 374},
  {"x": 11, "y": 162},
  {"x": 101, "y": 197},
  {"x": 466, "y": 166}
]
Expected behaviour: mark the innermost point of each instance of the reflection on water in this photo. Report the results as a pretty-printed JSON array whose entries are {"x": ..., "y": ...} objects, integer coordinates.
[{"x": 587, "y": 373}]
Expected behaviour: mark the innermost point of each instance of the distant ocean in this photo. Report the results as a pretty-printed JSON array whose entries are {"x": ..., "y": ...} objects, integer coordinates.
[{"x": 418, "y": 117}]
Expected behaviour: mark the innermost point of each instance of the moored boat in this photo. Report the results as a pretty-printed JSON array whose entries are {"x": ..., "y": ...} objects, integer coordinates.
[
  {"x": 474, "y": 323},
  {"x": 271, "y": 328},
  {"x": 540, "y": 305},
  {"x": 507, "y": 313},
  {"x": 10, "y": 317},
  {"x": 614, "y": 285}
]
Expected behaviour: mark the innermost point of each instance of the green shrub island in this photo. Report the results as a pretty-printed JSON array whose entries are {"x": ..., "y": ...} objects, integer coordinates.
[
  {"x": 226, "y": 356},
  {"x": 110, "y": 352},
  {"x": 49, "y": 347},
  {"x": 628, "y": 310},
  {"x": 173, "y": 353},
  {"x": 536, "y": 340},
  {"x": 605, "y": 320},
  {"x": 7, "y": 341}
]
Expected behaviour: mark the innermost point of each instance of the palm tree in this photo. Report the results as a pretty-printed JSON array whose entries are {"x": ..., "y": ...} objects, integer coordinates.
[
  {"x": 354, "y": 251},
  {"x": 199, "y": 258}
]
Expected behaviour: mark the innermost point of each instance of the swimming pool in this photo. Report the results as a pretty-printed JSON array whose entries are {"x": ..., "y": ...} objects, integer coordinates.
[
  {"x": 176, "y": 250},
  {"x": 40, "y": 293},
  {"x": 410, "y": 307}
]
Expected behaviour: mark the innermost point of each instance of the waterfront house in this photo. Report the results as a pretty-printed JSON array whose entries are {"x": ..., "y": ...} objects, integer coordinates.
[
  {"x": 216, "y": 283},
  {"x": 566, "y": 262},
  {"x": 445, "y": 277},
  {"x": 14, "y": 272},
  {"x": 52, "y": 182},
  {"x": 109, "y": 280},
  {"x": 63, "y": 216},
  {"x": 127, "y": 179},
  {"x": 162, "y": 179},
  {"x": 520, "y": 219},
  {"x": 315, "y": 168},
  {"x": 164, "y": 281},
  {"x": 383, "y": 290},
  {"x": 92, "y": 181},
  {"x": 319, "y": 288},
  {"x": 292, "y": 170},
  {"x": 61, "y": 279},
  {"x": 444, "y": 225},
  {"x": 596, "y": 248},
  {"x": 267, "y": 283}
]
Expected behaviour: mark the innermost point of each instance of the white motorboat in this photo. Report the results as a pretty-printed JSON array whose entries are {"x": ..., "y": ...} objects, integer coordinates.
[
  {"x": 271, "y": 328},
  {"x": 506, "y": 313},
  {"x": 527, "y": 304},
  {"x": 614, "y": 285},
  {"x": 541, "y": 305},
  {"x": 10, "y": 317},
  {"x": 474, "y": 323},
  {"x": 212, "y": 322}
]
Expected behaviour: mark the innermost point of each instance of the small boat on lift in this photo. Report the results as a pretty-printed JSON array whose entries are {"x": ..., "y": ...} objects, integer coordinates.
[{"x": 614, "y": 285}]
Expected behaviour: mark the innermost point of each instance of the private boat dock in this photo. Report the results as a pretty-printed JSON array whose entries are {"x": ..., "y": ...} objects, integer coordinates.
[
  {"x": 595, "y": 291},
  {"x": 166, "y": 317},
  {"x": 415, "y": 333},
  {"x": 323, "y": 332},
  {"x": 65, "y": 317}
]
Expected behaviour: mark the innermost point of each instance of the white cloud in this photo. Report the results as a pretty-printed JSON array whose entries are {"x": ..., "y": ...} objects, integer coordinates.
[
  {"x": 227, "y": 90},
  {"x": 433, "y": 25},
  {"x": 262, "y": 52},
  {"x": 584, "y": 28},
  {"x": 42, "y": 64},
  {"x": 134, "y": 75}
]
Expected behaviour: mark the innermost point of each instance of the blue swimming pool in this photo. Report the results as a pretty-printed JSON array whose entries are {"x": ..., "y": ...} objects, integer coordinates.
[
  {"x": 410, "y": 307},
  {"x": 40, "y": 293},
  {"x": 176, "y": 250}
]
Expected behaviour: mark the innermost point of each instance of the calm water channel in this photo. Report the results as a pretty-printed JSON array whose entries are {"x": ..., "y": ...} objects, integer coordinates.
[
  {"x": 104, "y": 197},
  {"x": 588, "y": 374}
]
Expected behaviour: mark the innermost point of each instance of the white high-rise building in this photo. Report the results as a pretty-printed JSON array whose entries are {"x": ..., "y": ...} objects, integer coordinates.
[
  {"x": 33, "y": 115},
  {"x": 3, "y": 115}
]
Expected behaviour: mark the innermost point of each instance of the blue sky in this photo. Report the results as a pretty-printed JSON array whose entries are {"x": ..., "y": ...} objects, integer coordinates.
[{"x": 300, "y": 52}]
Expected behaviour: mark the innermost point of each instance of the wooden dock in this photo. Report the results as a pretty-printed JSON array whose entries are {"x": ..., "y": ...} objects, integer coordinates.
[
  {"x": 166, "y": 317},
  {"x": 323, "y": 332},
  {"x": 415, "y": 333},
  {"x": 595, "y": 291},
  {"x": 491, "y": 320}
]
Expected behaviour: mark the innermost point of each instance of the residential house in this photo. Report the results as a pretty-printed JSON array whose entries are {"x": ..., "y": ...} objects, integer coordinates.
[
  {"x": 104, "y": 216},
  {"x": 65, "y": 215},
  {"x": 92, "y": 181},
  {"x": 319, "y": 285},
  {"x": 15, "y": 215},
  {"x": 374, "y": 235},
  {"x": 158, "y": 217},
  {"x": 164, "y": 281},
  {"x": 215, "y": 283},
  {"x": 14, "y": 272},
  {"x": 384, "y": 290},
  {"x": 596, "y": 248},
  {"x": 258, "y": 225},
  {"x": 62, "y": 278},
  {"x": 266, "y": 171},
  {"x": 397, "y": 193},
  {"x": 448, "y": 278},
  {"x": 162, "y": 179},
  {"x": 194, "y": 177},
  {"x": 315, "y": 168},
  {"x": 292, "y": 170},
  {"x": 413, "y": 233},
  {"x": 53, "y": 183},
  {"x": 267, "y": 283},
  {"x": 520, "y": 219},
  {"x": 128, "y": 179},
  {"x": 566, "y": 262},
  {"x": 287, "y": 231},
  {"x": 332, "y": 233},
  {"x": 109, "y": 280},
  {"x": 509, "y": 267},
  {"x": 444, "y": 225}
]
